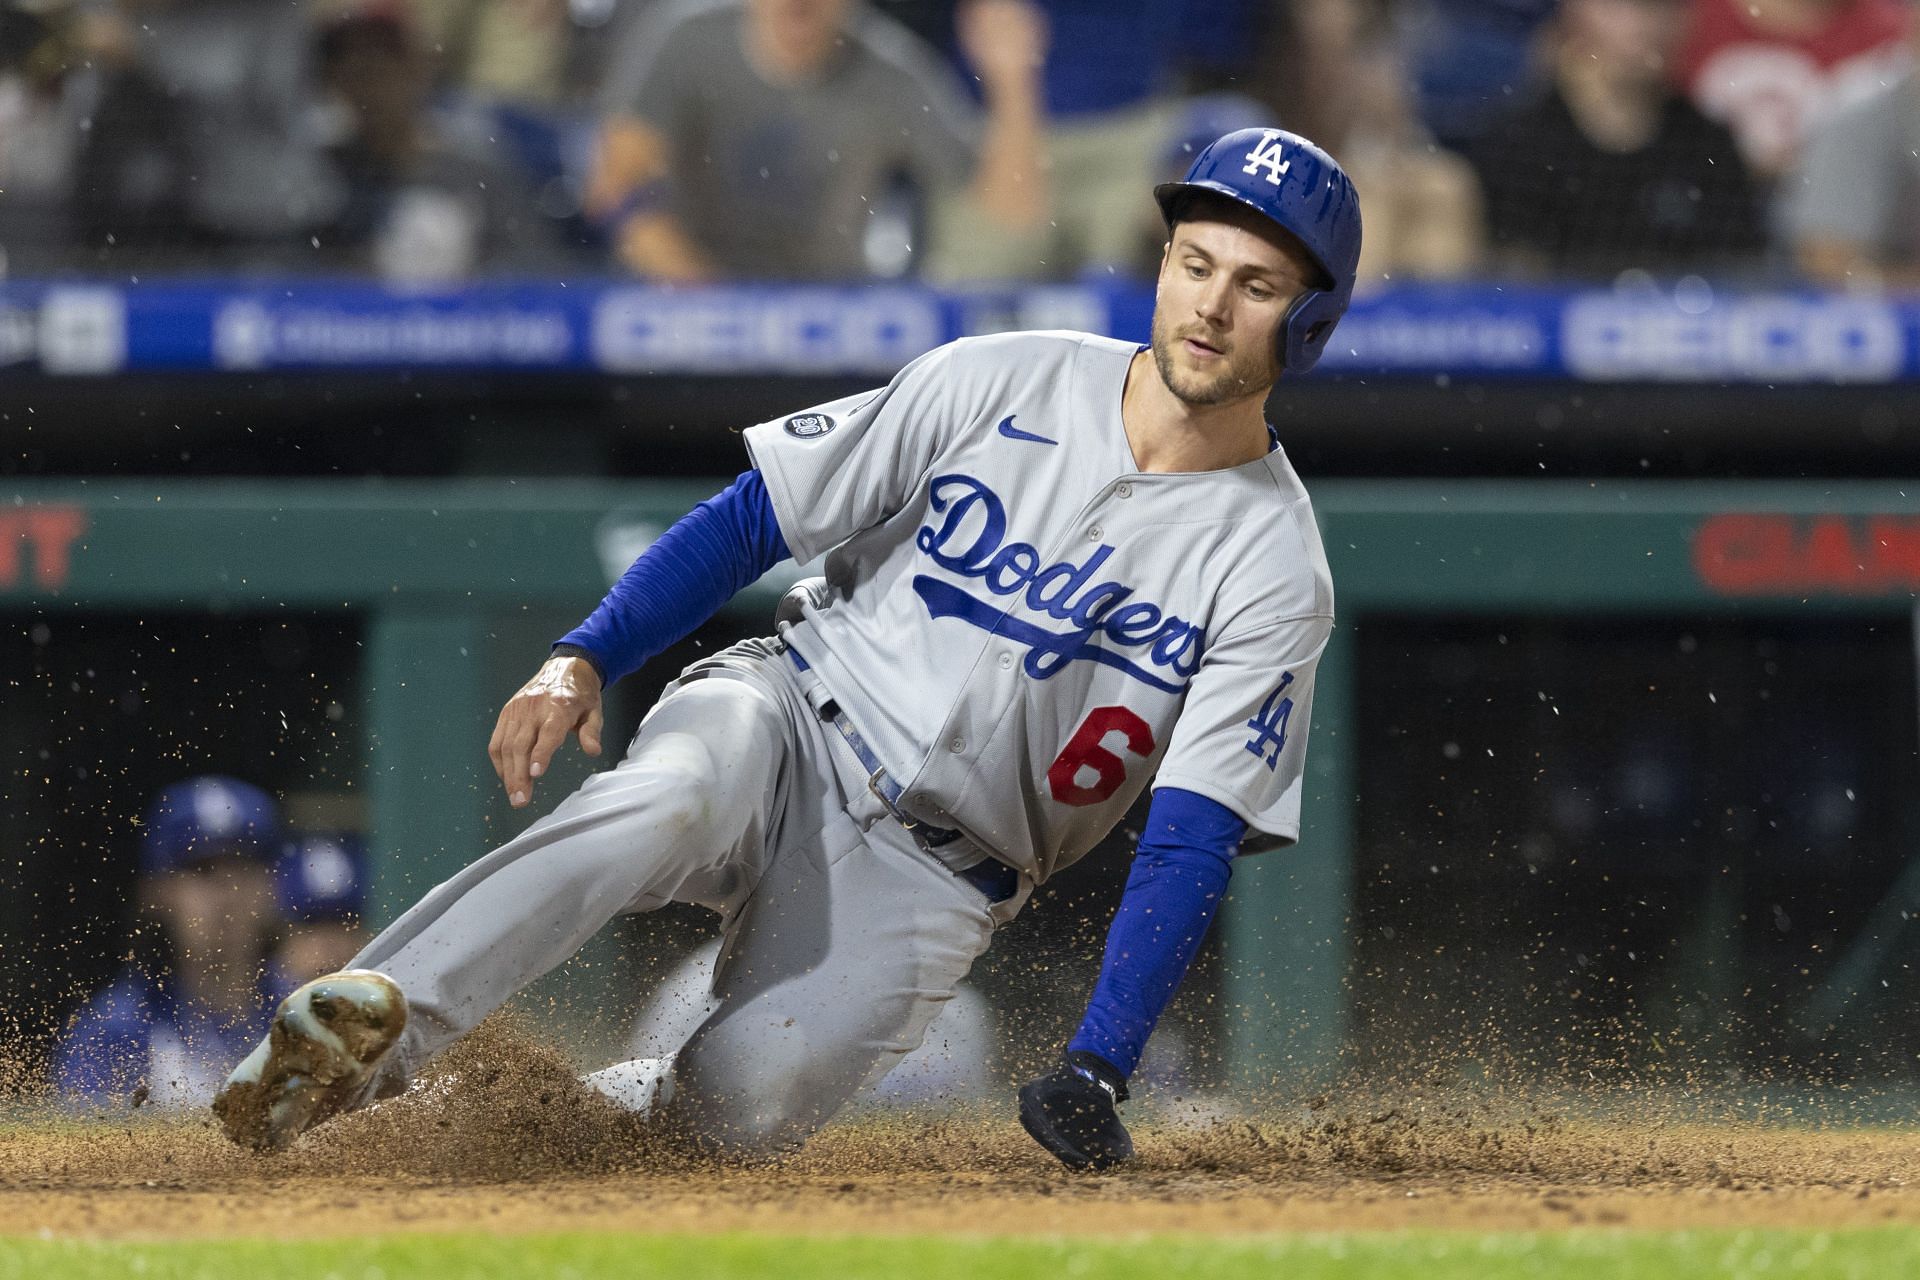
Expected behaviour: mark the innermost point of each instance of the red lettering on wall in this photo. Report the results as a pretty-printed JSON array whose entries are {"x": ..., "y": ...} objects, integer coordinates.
[
  {"x": 1739, "y": 555},
  {"x": 1751, "y": 555},
  {"x": 1895, "y": 546},
  {"x": 39, "y": 540}
]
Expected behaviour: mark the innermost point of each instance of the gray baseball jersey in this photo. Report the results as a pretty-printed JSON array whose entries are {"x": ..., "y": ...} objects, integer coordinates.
[{"x": 1024, "y": 626}]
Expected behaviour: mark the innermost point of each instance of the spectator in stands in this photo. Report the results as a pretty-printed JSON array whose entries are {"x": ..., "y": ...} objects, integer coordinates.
[
  {"x": 498, "y": 50},
  {"x": 519, "y": 72},
  {"x": 1765, "y": 68},
  {"x": 40, "y": 114},
  {"x": 1112, "y": 82},
  {"x": 174, "y": 1021},
  {"x": 423, "y": 203},
  {"x": 206, "y": 134},
  {"x": 1610, "y": 168},
  {"x": 1469, "y": 58},
  {"x": 757, "y": 138},
  {"x": 1306, "y": 65},
  {"x": 1420, "y": 203},
  {"x": 320, "y": 883},
  {"x": 1853, "y": 205}
]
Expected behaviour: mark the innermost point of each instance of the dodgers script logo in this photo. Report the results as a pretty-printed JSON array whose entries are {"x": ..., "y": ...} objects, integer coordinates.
[{"x": 970, "y": 540}]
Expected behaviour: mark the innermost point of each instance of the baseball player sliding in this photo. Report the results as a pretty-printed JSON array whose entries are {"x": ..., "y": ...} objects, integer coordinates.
[{"x": 1059, "y": 568}]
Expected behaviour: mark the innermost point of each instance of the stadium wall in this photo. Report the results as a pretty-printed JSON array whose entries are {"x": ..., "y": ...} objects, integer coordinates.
[{"x": 459, "y": 584}]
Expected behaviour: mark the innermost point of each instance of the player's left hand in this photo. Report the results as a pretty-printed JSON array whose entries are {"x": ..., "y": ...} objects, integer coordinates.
[{"x": 1071, "y": 1111}]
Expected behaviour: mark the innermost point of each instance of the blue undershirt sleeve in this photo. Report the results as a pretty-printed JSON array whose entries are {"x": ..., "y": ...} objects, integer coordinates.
[
  {"x": 1179, "y": 875},
  {"x": 699, "y": 564}
]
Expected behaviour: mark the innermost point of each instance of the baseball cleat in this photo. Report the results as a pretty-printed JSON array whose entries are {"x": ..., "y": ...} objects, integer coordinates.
[
  {"x": 638, "y": 1086},
  {"x": 327, "y": 1039}
]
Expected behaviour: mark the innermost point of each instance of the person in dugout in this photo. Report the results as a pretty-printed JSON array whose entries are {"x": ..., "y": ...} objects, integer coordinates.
[
  {"x": 196, "y": 988},
  {"x": 320, "y": 881}
]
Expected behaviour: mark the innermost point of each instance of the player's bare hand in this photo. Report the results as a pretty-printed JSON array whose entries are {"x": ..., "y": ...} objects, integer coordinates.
[
  {"x": 562, "y": 698},
  {"x": 1005, "y": 41}
]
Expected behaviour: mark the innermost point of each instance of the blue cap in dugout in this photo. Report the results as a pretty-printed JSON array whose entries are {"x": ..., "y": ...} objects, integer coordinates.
[
  {"x": 1295, "y": 184},
  {"x": 208, "y": 817},
  {"x": 321, "y": 877}
]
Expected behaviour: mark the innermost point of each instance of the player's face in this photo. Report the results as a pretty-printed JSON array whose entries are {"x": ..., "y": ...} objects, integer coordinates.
[
  {"x": 1225, "y": 286},
  {"x": 217, "y": 911}
]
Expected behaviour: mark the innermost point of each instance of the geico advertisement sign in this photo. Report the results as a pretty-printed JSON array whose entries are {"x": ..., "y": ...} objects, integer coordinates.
[
  {"x": 652, "y": 330},
  {"x": 1759, "y": 339}
]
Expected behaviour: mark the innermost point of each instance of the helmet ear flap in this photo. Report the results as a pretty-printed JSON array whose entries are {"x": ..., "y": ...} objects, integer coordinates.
[{"x": 1304, "y": 333}]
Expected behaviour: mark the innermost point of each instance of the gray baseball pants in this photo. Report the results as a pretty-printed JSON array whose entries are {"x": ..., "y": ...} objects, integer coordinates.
[{"x": 842, "y": 936}]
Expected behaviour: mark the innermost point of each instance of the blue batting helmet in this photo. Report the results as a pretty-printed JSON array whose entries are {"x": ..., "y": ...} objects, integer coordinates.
[
  {"x": 1302, "y": 189},
  {"x": 208, "y": 817},
  {"x": 321, "y": 876}
]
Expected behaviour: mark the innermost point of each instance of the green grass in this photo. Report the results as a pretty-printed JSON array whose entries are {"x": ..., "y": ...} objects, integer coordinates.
[{"x": 1877, "y": 1254}]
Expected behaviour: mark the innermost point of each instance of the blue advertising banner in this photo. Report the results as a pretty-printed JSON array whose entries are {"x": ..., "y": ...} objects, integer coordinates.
[{"x": 1687, "y": 333}]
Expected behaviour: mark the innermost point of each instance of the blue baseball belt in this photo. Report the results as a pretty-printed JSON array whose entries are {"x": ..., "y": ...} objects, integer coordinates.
[{"x": 990, "y": 876}]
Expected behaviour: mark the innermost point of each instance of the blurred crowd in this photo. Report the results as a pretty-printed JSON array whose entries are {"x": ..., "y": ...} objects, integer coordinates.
[
  {"x": 429, "y": 141},
  {"x": 232, "y": 911}
]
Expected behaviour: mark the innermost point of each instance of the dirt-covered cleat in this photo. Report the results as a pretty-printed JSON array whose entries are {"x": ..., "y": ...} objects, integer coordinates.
[
  {"x": 328, "y": 1038},
  {"x": 639, "y": 1086}
]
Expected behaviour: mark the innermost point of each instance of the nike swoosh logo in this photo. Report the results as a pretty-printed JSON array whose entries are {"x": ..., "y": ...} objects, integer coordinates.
[{"x": 1012, "y": 432}]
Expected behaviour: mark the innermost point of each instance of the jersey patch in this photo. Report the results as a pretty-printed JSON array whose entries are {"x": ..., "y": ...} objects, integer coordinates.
[
  {"x": 809, "y": 426},
  {"x": 971, "y": 541},
  {"x": 1270, "y": 725}
]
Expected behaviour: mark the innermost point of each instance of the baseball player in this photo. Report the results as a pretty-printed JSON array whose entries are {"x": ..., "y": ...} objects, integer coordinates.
[
  {"x": 1059, "y": 568},
  {"x": 171, "y": 1021}
]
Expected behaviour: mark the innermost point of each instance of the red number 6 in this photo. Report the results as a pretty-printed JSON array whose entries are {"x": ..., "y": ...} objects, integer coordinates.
[{"x": 1086, "y": 750}]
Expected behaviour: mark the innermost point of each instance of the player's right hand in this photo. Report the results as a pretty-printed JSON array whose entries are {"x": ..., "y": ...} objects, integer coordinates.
[{"x": 563, "y": 697}]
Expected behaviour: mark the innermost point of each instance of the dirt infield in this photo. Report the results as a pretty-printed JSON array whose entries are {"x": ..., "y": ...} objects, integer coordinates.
[{"x": 504, "y": 1141}]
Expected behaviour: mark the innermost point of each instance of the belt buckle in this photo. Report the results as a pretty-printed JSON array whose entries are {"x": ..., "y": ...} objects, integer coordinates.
[{"x": 905, "y": 819}]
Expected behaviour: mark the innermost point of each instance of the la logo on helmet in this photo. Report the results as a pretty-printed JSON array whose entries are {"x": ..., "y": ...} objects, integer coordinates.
[{"x": 1266, "y": 155}]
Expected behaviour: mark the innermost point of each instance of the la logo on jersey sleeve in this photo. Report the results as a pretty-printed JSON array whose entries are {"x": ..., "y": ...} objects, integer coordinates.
[{"x": 1270, "y": 725}]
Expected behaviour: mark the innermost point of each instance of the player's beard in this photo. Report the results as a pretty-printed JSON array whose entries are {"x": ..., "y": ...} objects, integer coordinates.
[{"x": 1248, "y": 370}]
